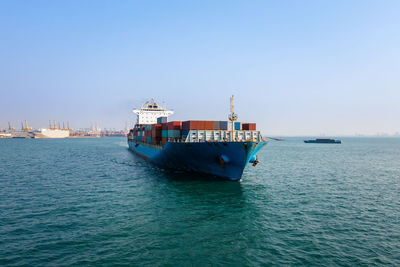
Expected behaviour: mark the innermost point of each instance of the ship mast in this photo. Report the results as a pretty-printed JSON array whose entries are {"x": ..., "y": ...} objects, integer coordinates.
[{"x": 232, "y": 117}]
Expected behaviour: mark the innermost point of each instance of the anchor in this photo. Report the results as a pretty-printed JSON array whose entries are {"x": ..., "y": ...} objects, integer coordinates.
[{"x": 254, "y": 160}]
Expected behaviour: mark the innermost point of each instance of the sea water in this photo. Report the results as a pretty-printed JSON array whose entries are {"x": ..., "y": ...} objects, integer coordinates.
[{"x": 93, "y": 202}]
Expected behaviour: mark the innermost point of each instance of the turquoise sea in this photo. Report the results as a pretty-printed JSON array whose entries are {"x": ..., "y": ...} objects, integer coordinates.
[{"x": 92, "y": 202}]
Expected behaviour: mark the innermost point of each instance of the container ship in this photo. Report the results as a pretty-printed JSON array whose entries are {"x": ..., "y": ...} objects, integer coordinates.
[{"x": 218, "y": 148}]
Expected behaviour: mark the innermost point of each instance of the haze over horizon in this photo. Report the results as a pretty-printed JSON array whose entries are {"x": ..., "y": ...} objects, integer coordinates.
[{"x": 295, "y": 68}]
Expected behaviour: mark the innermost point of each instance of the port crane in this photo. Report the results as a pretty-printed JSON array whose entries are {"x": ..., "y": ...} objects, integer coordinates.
[
  {"x": 26, "y": 128},
  {"x": 10, "y": 128}
]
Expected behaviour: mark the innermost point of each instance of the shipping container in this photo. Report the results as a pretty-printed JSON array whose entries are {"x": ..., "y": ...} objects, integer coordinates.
[
  {"x": 190, "y": 125},
  {"x": 149, "y": 140},
  {"x": 156, "y": 130},
  {"x": 162, "y": 119},
  {"x": 238, "y": 126},
  {"x": 164, "y": 126},
  {"x": 216, "y": 125},
  {"x": 156, "y": 133},
  {"x": 196, "y": 125},
  {"x": 155, "y": 141},
  {"x": 223, "y": 125},
  {"x": 174, "y": 125},
  {"x": 174, "y": 133},
  {"x": 249, "y": 126},
  {"x": 164, "y": 133},
  {"x": 208, "y": 125}
]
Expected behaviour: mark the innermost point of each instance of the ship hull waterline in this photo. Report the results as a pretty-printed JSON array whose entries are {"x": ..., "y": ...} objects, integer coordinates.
[{"x": 222, "y": 159}]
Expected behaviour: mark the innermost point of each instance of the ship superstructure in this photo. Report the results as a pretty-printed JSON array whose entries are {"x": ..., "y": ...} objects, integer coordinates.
[
  {"x": 218, "y": 148},
  {"x": 150, "y": 111}
]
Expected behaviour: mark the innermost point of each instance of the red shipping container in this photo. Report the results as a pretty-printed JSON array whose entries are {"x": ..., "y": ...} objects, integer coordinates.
[
  {"x": 197, "y": 125},
  {"x": 189, "y": 125},
  {"x": 208, "y": 125},
  {"x": 164, "y": 126},
  {"x": 249, "y": 126},
  {"x": 154, "y": 129},
  {"x": 154, "y": 141},
  {"x": 174, "y": 125}
]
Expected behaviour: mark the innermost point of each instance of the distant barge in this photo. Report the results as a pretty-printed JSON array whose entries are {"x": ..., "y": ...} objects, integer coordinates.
[{"x": 323, "y": 141}]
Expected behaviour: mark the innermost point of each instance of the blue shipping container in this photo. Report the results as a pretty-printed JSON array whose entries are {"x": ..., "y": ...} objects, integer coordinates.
[
  {"x": 164, "y": 133},
  {"x": 149, "y": 140},
  {"x": 224, "y": 125},
  {"x": 174, "y": 133},
  {"x": 162, "y": 119},
  {"x": 238, "y": 126}
]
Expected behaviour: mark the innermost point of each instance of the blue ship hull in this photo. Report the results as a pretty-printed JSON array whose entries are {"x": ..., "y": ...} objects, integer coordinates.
[{"x": 223, "y": 159}]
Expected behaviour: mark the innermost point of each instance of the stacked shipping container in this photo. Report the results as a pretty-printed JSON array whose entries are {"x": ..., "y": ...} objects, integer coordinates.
[
  {"x": 204, "y": 125},
  {"x": 162, "y": 119},
  {"x": 249, "y": 126},
  {"x": 175, "y": 130}
]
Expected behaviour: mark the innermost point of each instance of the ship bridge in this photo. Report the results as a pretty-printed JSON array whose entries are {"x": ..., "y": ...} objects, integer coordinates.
[{"x": 150, "y": 111}]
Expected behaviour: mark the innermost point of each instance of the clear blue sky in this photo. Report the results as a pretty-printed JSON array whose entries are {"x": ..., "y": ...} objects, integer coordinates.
[{"x": 295, "y": 67}]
